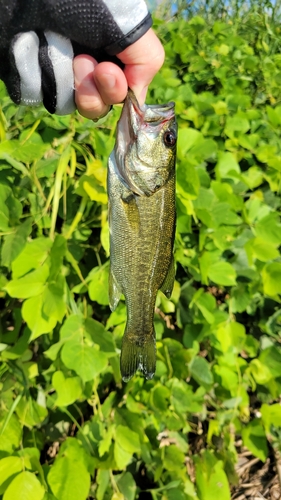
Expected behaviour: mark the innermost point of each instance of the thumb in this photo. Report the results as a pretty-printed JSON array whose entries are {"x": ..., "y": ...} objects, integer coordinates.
[{"x": 142, "y": 60}]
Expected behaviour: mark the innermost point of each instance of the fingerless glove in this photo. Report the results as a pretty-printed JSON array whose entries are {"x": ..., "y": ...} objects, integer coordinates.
[{"x": 39, "y": 38}]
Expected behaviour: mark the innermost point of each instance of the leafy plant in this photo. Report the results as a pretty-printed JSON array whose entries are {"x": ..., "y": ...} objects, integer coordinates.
[{"x": 70, "y": 429}]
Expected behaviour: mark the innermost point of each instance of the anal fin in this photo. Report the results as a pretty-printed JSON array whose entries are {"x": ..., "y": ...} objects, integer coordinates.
[{"x": 168, "y": 283}]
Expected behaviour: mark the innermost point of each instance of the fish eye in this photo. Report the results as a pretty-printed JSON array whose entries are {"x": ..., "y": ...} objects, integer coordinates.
[{"x": 169, "y": 138}]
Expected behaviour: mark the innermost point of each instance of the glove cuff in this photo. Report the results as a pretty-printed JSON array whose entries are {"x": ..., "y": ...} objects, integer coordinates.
[{"x": 130, "y": 37}]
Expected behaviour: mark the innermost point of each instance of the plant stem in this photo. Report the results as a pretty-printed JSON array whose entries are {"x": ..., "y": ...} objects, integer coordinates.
[{"x": 77, "y": 217}]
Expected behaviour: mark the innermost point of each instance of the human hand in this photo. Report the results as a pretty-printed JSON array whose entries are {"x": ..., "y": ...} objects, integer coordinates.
[{"x": 99, "y": 85}]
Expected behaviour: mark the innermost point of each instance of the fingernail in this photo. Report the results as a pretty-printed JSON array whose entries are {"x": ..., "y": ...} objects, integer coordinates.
[
  {"x": 83, "y": 70},
  {"x": 107, "y": 80}
]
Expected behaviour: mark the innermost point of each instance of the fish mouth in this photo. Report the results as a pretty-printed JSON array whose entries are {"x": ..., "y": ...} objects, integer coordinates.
[
  {"x": 156, "y": 113},
  {"x": 136, "y": 116},
  {"x": 133, "y": 117}
]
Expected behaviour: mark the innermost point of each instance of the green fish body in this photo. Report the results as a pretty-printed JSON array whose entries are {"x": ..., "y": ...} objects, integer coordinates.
[{"x": 141, "y": 190}]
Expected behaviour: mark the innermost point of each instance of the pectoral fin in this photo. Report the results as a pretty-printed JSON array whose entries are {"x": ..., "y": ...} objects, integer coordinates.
[
  {"x": 114, "y": 292},
  {"x": 168, "y": 283},
  {"x": 131, "y": 210}
]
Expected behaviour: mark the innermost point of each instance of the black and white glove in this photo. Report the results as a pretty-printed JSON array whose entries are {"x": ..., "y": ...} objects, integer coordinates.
[{"x": 39, "y": 38}]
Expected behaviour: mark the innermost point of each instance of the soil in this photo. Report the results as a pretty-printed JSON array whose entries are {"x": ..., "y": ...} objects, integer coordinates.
[{"x": 257, "y": 480}]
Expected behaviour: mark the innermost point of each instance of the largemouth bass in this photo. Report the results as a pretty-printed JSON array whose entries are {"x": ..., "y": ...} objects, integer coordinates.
[{"x": 141, "y": 190}]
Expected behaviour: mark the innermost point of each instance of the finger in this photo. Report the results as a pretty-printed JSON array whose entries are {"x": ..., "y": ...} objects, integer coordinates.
[
  {"x": 87, "y": 97},
  {"x": 110, "y": 82},
  {"x": 142, "y": 60}
]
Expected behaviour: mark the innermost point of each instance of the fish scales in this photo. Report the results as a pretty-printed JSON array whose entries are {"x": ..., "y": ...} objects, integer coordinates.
[{"x": 142, "y": 228}]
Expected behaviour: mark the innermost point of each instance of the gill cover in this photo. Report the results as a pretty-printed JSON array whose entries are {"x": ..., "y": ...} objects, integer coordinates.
[{"x": 136, "y": 120}]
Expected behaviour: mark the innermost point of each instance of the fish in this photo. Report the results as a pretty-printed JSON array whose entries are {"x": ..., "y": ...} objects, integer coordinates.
[{"x": 142, "y": 218}]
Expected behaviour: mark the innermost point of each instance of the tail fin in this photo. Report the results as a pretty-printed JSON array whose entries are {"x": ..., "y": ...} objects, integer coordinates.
[{"x": 137, "y": 356}]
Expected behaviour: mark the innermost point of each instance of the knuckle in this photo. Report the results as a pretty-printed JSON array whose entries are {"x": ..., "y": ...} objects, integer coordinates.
[{"x": 90, "y": 107}]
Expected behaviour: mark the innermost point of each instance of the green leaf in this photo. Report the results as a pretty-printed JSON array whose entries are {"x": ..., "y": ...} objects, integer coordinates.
[
  {"x": 227, "y": 166},
  {"x": 226, "y": 378},
  {"x": 269, "y": 229},
  {"x": 30, "y": 458},
  {"x": 186, "y": 138},
  {"x": 231, "y": 335},
  {"x": 240, "y": 298},
  {"x": 266, "y": 152},
  {"x": 273, "y": 116},
  {"x": 271, "y": 276},
  {"x": 236, "y": 123},
  {"x": 204, "y": 149},
  {"x": 26, "y": 151},
  {"x": 15, "y": 242},
  {"x": 98, "y": 286},
  {"x": 57, "y": 254},
  {"x": 69, "y": 478},
  {"x": 30, "y": 413},
  {"x": 206, "y": 260},
  {"x": 53, "y": 300},
  {"x": 206, "y": 303},
  {"x": 188, "y": 182},
  {"x": 30, "y": 285},
  {"x": 68, "y": 389},
  {"x": 72, "y": 327},
  {"x": 53, "y": 351},
  {"x": 262, "y": 250},
  {"x": 17, "y": 165},
  {"x": 200, "y": 371},
  {"x": 254, "y": 438},
  {"x": 261, "y": 372},
  {"x": 222, "y": 273},
  {"x": 127, "y": 486},
  {"x": 183, "y": 398},
  {"x": 271, "y": 416},
  {"x": 37, "y": 321},
  {"x": 103, "y": 479},
  {"x": 160, "y": 397},
  {"x": 176, "y": 494},
  {"x": 46, "y": 167},
  {"x": 271, "y": 357},
  {"x": 222, "y": 213},
  {"x": 127, "y": 439},
  {"x": 122, "y": 457},
  {"x": 11, "y": 436},
  {"x": 126, "y": 444},
  {"x": 105, "y": 444},
  {"x": 86, "y": 361},
  {"x": 220, "y": 108},
  {"x": 32, "y": 256},
  {"x": 94, "y": 190},
  {"x": 15, "y": 210},
  {"x": 211, "y": 480},
  {"x": 173, "y": 458},
  {"x": 9, "y": 466},
  {"x": 25, "y": 486},
  {"x": 100, "y": 336},
  {"x": 4, "y": 211},
  {"x": 104, "y": 238}
]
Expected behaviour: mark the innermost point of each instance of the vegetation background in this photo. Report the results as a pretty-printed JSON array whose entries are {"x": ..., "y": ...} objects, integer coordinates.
[{"x": 210, "y": 420}]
